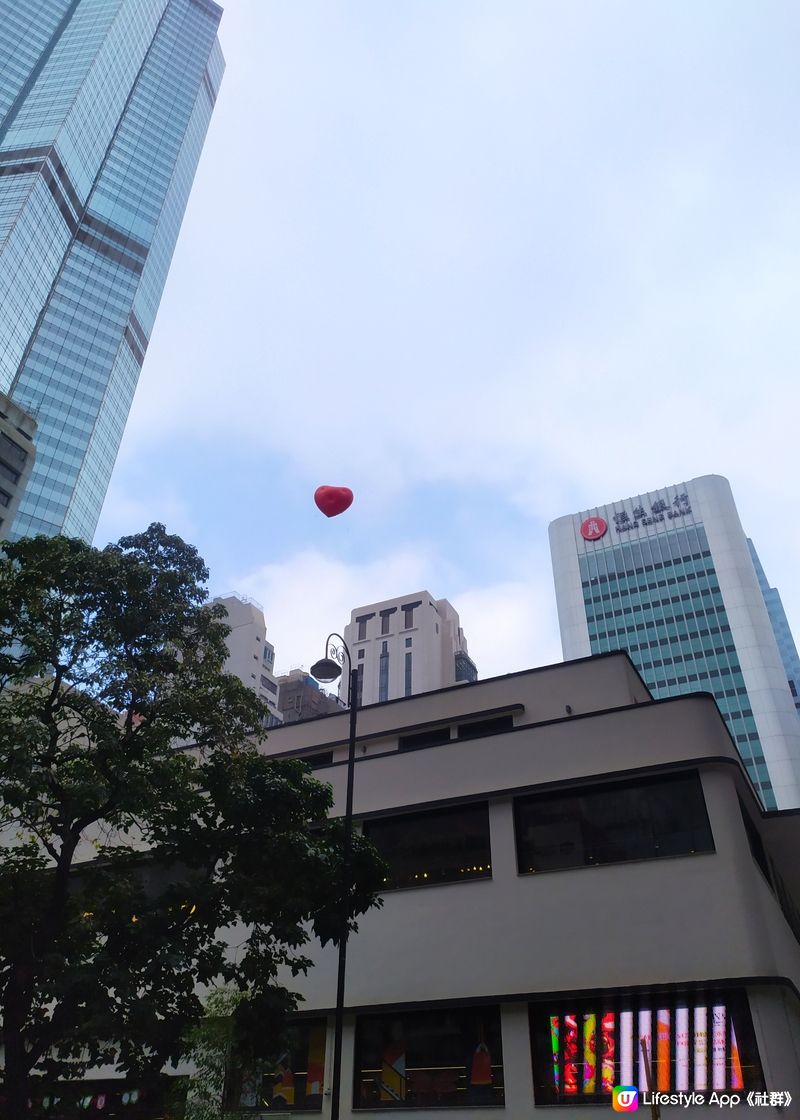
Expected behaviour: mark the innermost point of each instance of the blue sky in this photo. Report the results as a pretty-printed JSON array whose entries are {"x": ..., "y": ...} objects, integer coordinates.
[{"x": 486, "y": 264}]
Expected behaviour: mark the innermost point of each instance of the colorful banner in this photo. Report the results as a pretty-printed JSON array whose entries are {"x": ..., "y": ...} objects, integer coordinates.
[
  {"x": 315, "y": 1075},
  {"x": 663, "y": 1071},
  {"x": 608, "y": 1051},
  {"x": 646, "y": 1036},
  {"x": 682, "y": 1049},
  {"x": 589, "y": 1053},
  {"x": 393, "y": 1073},
  {"x": 701, "y": 1048},
  {"x": 554, "y": 1046},
  {"x": 570, "y": 1054}
]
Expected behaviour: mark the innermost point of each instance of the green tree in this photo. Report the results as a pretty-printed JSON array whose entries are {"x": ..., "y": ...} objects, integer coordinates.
[{"x": 139, "y": 824}]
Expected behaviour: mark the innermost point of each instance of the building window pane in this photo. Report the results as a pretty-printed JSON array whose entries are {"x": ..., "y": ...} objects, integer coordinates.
[
  {"x": 440, "y": 846},
  {"x": 362, "y": 621},
  {"x": 294, "y": 1081},
  {"x": 696, "y": 1041},
  {"x": 383, "y": 676},
  {"x": 481, "y": 727},
  {"x": 13, "y": 454},
  {"x": 408, "y": 674},
  {"x": 431, "y": 1059},
  {"x": 609, "y": 823},
  {"x": 433, "y": 737}
]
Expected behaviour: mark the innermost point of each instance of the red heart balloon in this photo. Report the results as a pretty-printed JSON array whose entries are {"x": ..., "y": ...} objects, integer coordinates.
[{"x": 333, "y": 500}]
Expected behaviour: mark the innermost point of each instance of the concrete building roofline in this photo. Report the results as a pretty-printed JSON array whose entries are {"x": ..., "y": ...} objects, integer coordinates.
[{"x": 616, "y": 501}]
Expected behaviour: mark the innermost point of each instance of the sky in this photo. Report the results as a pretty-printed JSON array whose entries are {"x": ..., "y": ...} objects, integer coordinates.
[{"x": 485, "y": 264}]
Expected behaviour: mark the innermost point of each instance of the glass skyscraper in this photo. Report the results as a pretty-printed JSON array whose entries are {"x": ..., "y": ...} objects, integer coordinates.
[
  {"x": 668, "y": 576},
  {"x": 104, "y": 107},
  {"x": 781, "y": 628}
]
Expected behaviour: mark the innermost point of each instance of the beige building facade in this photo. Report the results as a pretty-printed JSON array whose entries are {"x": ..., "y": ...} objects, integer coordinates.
[
  {"x": 572, "y": 867},
  {"x": 251, "y": 657},
  {"x": 407, "y": 645}
]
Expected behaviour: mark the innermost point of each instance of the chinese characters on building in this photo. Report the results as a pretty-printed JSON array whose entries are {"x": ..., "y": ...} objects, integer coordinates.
[{"x": 659, "y": 511}]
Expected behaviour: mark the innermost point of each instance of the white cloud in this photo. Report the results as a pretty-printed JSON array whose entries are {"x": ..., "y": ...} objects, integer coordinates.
[
  {"x": 533, "y": 257},
  {"x": 509, "y": 625},
  {"x": 309, "y": 595}
]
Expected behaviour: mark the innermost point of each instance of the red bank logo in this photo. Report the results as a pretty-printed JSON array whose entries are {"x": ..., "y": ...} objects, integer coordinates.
[{"x": 594, "y": 528}]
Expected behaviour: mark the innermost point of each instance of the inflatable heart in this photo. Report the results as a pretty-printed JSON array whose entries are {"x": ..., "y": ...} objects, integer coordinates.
[{"x": 333, "y": 500}]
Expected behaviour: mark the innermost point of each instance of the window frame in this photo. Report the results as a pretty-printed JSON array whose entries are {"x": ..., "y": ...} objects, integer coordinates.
[{"x": 583, "y": 789}]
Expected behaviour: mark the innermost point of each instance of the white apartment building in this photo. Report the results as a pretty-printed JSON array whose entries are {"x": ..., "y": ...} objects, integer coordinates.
[
  {"x": 251, "y": 657},
  {"x": 405, "y": 646},
  {"x": 668, "y": 576},
  {"x": 573, "y": 867}
]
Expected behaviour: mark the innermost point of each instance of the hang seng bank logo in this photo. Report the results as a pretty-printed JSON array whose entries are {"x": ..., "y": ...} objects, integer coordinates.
[
  {"x": 625, "y": 1098},
  {"x": 593, "y": 528}
]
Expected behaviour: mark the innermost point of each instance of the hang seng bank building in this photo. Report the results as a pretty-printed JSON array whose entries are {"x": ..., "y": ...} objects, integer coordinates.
[{"x": 669, "y": 577}]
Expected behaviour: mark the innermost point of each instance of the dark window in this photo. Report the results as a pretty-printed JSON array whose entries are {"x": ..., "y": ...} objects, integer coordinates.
[
  {"x": 361, "y": 655},
  {"x": 13, "y": 454},
  {"x": 451, "y": 1057},
  {"x": 385, "y": 616},
  {"x": 408, "y": 674},
  {"x": 434, "y": 846},
  {"x": 485, "y": 727},
  {"x": 383, "y": 675},
  {"x": 269, "y": 686},
  {"x": 465, "y": 669},
  {"x": 295, "y": 1080},
  {"x": 362, "y": 621},
  {"x": 695, "y": 1040},
  {"x": 5, "y": 499},
  {"x": 408, "y": 613},
  {"x": 610, "y": 823},
  {"x": 408, "y": 643},
  {"x": 7, "y": 472},
  {"x": 420, "y": 739},
  {"x": 324, "y": 758}
]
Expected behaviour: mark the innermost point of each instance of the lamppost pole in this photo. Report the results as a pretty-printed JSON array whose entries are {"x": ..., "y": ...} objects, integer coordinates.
[
  {"x": 326, "y": 670},
  {"x": 347, "y": 860}
]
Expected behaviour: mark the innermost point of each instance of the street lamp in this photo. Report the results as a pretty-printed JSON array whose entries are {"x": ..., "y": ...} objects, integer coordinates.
[{"x": 326, "y": 670}]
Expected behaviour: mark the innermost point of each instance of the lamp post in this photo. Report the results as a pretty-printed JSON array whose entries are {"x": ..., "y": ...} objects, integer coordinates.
[{"x": 326, "y": 670}]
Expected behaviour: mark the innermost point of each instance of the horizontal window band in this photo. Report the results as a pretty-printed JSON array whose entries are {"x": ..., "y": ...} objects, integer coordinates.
[
  {"x": 113, "y": 234},
  {"x": 138, "y": 330},
  {"x": 66, "y": 182},
  {"x": 60, "y": 200},
  {"x": 21, "y": 168},
  {"x": 209, "y": 7},
  {"x": 22, "y": 153},
  {"x": 134, "y": 349},
  {"x": 109, "y": 251},
  {"x": 209, "y": 88}
]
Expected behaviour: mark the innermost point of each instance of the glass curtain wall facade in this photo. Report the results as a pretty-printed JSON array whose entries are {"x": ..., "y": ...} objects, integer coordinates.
[
  {"x": 660, "y": 600},
  {"x": 780, "y": 625},
  {"x": 668, "y": 576},
  {"x": 104, "y": 107}
]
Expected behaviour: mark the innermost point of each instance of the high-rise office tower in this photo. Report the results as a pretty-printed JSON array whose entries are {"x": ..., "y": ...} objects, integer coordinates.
[
  {"x": 405, "y": 646},
  {"x": 251, "y": 657},
  {"x": 668, "y": 576},
  {"x": 104, "y": 106},
  {"x": 780, "y": 627}
]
